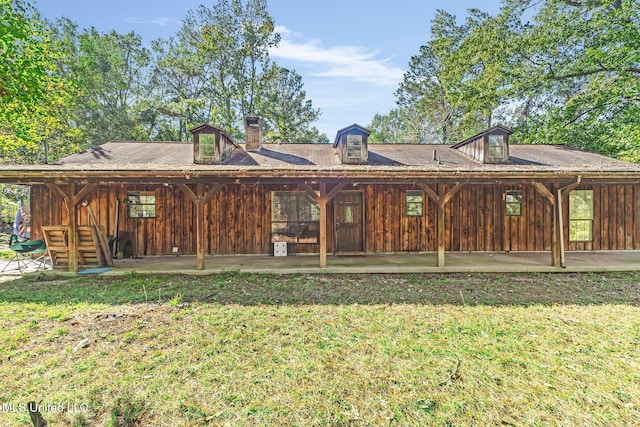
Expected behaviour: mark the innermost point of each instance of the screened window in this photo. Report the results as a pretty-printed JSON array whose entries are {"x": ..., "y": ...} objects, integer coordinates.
[
  {"x": 414, "y": 202},
  {"x": 513, "y": 203},
  {"x": 142, "y": 204},
  {"x": 354, "y": 146},
  {"x": 581, "y": 215},
  {"x": 295, "y": 217},
  {"x": 207, "y": 143},
  {"x": 496, "y": 147}
]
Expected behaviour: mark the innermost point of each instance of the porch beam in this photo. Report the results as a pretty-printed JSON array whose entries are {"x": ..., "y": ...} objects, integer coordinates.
[
  {"x": 83, "y": 193},
  {"x": 544, "y": 191},
  {"x": 334, "y": 191},
  {"x": 311, "y": 192},
  {"x": 212, "y": 191},
  {"x": 187, "y": 192},
  {"x": 430, "y": 193},
  {"x": 60, "y": 193}
]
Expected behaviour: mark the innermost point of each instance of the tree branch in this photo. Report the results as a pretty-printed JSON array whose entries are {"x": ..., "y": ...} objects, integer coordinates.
[{"x": 552, "y": 76}]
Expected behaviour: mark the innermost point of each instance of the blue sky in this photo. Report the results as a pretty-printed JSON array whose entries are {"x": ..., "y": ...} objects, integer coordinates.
[{"x": 351, "y": 55}]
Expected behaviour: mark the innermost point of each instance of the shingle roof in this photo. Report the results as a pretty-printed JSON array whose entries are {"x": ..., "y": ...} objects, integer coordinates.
[{"x": 178, "y": 155}]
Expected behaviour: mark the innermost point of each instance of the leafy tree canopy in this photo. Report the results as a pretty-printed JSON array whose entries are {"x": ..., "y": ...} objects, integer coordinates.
[{"x": 557, "y": 71}]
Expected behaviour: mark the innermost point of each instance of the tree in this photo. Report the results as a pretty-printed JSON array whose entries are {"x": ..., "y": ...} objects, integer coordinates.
[
  {"x": 581, "y": 73},
  {"x": 109, "y": 72},
  {"x": 34, "y": 101},
  {"x": 424, "y": 101},
  {"x": 213, "y": 68},
  {"x": 288, "y": 114},
  {"x": 557, "y": 71}
]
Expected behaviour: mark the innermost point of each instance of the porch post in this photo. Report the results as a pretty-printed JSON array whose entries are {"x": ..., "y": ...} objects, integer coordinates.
[
  {"x": 72, "y": 238},
  {"x": 323, "y": 200},
  {"x": 560, "y": 234},
  {"x": 322, "y": 204},
  {"x": 199, "y": 227},
  {"x": 441, "y": 198},
  {"x": 440, "y": 225},
  {"x": 551, "y": 198},
  {"x": 199, "y": 199}
]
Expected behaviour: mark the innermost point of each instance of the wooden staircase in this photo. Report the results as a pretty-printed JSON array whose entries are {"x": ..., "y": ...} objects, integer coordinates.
[{"x": 91, "y": 251}]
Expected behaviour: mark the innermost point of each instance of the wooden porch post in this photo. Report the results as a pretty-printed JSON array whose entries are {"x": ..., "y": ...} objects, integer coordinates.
[
  {"x": 199, "y": 227},
  {"x": 441, "y": 198},
  {"x": 323, "y": 200},
  {"x": 440, "y": 225},
  {"x": 544, "y": 191},
  {"x": 563, "y": 193},
  {"x": 322, "y": 204},
  {"x": 71, "y": 200},
  {"x": 72, "y": 238},
  {"x": 199, "y": 198}
]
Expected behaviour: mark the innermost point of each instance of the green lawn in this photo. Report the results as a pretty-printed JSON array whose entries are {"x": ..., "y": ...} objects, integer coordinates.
[{"x": 239, "y": 349}]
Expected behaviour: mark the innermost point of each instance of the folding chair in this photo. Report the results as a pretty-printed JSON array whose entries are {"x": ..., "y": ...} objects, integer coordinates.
[{"x": 26, "y": 254}]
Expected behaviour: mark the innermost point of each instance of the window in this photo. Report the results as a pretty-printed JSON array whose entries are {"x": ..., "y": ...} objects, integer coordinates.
[
  {"x": 295, "y": 217},
  {"x": 354, "y": 146},
  {"x": 142, "y": 204},
  {"x": 414, "y": 202},
  {"x": 513, "y": 203},
  {"x": 581, "y": 215},
  {"x": 207, "y": 143},
  {"x": 496, "y": 147}
]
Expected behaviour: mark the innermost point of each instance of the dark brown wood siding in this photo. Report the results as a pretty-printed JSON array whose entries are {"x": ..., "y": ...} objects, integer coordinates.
[
  {"x": 616, "y": 219},
  {"x": 238, "y": 219}
]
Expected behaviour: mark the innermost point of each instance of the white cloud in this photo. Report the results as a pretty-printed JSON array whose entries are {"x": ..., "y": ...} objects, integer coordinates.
[
  {"x": 161, "y": 21},
  {"x": 286, "y": 32},
  {"x": 352, "y": 62}
]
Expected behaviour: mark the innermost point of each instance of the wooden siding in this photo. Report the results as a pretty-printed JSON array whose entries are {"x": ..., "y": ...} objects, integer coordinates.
[
  {"x": 238, "y": 219},
  {"x": 474, "y": 148}
]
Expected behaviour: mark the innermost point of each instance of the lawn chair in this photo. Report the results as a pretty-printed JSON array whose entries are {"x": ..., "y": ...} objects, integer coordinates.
[{"x": 26, "y": 254}]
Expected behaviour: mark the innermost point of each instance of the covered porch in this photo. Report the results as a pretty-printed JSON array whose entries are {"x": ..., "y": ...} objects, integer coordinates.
[{"x": 488, "y": 262}]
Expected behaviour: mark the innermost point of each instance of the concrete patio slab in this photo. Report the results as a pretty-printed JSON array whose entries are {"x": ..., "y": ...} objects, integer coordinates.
[
  {"x": 501, "y": 262},
  {"x": 456, "y": 262}
]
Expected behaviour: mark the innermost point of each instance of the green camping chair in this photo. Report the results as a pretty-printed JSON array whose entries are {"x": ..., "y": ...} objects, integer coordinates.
[{"x": 27, "y": 254}]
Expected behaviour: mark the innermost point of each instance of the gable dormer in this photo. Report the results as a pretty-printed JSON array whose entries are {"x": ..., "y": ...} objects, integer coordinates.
[
  {"x": 351, "y": 143},
  {"x": 211, "y": 145},
  {"x": 490, "y": 146}
]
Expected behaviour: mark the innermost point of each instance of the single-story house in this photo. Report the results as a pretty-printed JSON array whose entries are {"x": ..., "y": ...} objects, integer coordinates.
[{"x": 217, "y": 196}]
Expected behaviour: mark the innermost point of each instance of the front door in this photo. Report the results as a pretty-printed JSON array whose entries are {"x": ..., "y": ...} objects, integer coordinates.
[{"x": 349, "y": 218}]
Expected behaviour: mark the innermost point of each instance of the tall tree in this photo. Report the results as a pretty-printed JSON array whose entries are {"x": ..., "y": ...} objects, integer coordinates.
[
  {"x": 580, "y": 78},
  {"x": 110, "y": 71},
  {"x": 558, "y": 71},
  {"x": 34, "y": 102},
  {"x": 287, "y": 111},
  {"x": 221, "y": 54}
]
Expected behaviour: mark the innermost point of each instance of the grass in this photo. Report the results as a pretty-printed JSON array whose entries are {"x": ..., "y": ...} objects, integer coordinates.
[{"x": 240, "y": 349}]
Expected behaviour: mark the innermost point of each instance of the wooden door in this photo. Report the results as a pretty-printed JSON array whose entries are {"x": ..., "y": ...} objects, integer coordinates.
[{"x": 349, "y": 221}]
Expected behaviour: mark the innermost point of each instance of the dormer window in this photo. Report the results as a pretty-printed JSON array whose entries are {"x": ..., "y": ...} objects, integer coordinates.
[
  {"x": 207, "y": 147},
  {"x": 490, "y": 146},
  {"x": 211, "y": 146},
  {"x": 354, "y": 147},
  {"x": 496, "y": 147},
  {"x": 351, "y": 143}
]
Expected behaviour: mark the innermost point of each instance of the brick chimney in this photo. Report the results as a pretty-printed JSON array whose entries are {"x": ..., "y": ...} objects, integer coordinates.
[{"x": 253, "y": 133}]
